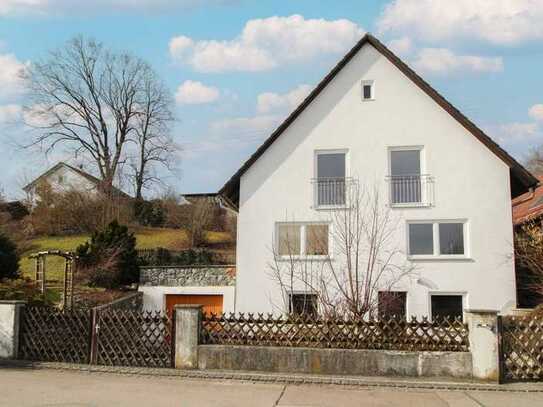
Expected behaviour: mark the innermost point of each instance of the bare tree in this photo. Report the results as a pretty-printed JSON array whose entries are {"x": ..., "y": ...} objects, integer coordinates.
[
  {"x": 529, "y": 256},
  {"x": 155, "y": 146},
  {"x": 366, "y": 257},
  {"x": 200, "y": 219},
  {"x": 534, "y": 160},
  {"x": 88, "y": 100}
]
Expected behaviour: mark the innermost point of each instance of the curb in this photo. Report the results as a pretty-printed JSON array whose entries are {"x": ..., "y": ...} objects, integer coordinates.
[{"x": 278, "y": 378}]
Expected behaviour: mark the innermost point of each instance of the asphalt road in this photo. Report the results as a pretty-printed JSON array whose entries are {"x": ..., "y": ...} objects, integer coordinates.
[{"x": 25, "y": 387}]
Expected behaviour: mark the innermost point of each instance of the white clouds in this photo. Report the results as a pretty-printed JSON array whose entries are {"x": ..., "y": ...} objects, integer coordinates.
[
  {"x": 274, "y": 102},
  {"x": 10, "y": 113},
  {"x": 515, "y": 132},
  {"x": 400, "y": 46},
  {"x": 267, "y": 43},
  {"x": 11, "y": 82},
  {"x": 536, "y": 112},
  {"x": 249, "y": 127},
  {"x": 443, "y": 61},
  {"x": 496, "y": 21},
  {"x": 73, "y": 7},
  {"x": 195, "y": 93}
]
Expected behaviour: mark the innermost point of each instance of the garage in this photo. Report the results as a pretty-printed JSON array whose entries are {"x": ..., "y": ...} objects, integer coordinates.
[{"x": 211, "y": 303}]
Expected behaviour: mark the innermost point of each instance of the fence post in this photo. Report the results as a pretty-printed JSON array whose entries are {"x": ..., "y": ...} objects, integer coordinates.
[
  {"x": 10, "y": 328},
  {"x": 187, "y": 335},
  {"x": 484, "y": 344}
]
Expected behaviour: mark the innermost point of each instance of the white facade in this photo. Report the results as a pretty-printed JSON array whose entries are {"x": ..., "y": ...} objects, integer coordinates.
[
  {"x": 471, "y": 185},
  {"x": 62, "y": 178}
]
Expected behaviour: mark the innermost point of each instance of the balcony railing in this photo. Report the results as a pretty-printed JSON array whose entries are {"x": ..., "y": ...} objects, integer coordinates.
[
  {"x": 331, "y": 192},
  {"x": 411, "y": 190}
]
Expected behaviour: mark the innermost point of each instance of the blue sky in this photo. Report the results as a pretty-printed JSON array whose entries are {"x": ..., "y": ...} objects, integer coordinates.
[{"x": 238, "y": 67}]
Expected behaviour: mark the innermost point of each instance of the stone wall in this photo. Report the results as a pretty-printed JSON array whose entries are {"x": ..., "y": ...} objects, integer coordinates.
[
  {"x": 335, "y": 361},
  {"x": 192, "y": 276}
]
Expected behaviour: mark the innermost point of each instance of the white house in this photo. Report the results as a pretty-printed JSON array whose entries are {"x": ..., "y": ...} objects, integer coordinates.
[
  {"x": 373, "y": 121},
  {"x": 63, "y": 177}
]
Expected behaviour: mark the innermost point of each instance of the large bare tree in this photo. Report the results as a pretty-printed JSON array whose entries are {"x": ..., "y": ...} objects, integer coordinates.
[
  {"x": 154, "y": 144},
  {"x": 91, "y": 101},
  {"x": 365, "y": 258}
]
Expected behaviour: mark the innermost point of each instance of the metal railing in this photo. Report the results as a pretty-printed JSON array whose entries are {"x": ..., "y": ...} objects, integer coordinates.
[
  {"x": 410, "y": 190},
  {"x": 330, "y": 192}
]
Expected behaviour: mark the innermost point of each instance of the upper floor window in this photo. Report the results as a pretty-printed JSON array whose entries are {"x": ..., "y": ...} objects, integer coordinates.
[
  {"x": 408, "y": 185},
  {"x": 330, "y": 180},
  {"x": 368, "y": 90},
  {"x": 302, "y": 240},
  {"x": 437, "y": 239}
]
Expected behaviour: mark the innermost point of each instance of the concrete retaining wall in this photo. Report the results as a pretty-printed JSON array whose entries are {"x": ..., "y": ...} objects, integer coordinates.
[{"x": 335, "y": 361}]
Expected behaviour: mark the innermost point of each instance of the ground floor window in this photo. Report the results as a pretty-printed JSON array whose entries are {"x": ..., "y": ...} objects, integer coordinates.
[
  {"x": 302, "y": 240},
  {"x": 443, "y": 306},
  {"x": 303, "y": 304},
  {"x": 392, "y": 304}
]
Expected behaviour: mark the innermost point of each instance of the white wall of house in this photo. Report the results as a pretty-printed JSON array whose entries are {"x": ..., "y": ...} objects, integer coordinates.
[
  {"x": 471, "y": 184},
  {"x": 154, "y": 297}
]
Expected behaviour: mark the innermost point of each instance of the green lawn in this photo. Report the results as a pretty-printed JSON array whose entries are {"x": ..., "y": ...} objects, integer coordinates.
[{"x": 146, "y": 238}]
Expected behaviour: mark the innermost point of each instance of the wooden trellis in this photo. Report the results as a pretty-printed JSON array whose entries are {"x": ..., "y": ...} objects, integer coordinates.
[
  {"x": 522, "y": 347},
  {"x": 299, "y": 331},
  {"x": 70, "y": 263}
]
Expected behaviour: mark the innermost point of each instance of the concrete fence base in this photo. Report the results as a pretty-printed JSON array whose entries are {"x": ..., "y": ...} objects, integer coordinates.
[
  {"x": 335, "y": 361},
  {"x": 10, "y": 321}
]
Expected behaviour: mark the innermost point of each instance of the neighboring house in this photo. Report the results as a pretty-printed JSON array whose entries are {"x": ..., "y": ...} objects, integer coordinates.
[
  {"x": 63, "y": 178},
  {"x": 528, "y": 207},
  {"x": 374, "y": 121}
]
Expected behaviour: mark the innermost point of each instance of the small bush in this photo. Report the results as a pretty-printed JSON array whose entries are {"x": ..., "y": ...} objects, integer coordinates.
[
  {"x": 110, "y": 259},
  {"x": 150, "y": 213},
  {"x": 165, "y": 257},
  {"x": 9, "y": 259},
  {"x": 23, "y": 289}
]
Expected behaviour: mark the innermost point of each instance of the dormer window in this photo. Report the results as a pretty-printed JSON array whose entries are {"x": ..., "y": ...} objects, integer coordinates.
[{"x": 368, "y": 90}]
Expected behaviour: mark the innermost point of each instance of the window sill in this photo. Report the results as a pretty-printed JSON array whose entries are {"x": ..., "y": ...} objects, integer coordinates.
[
  {"x": 459, "y": 258},
  {"x": 410, "y": 205},
  {"x": 329, "y": 207},
  {"x": 285, "y": 259}
]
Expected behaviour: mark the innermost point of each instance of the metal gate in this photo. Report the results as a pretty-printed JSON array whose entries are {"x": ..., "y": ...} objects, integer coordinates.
[
  {"x": 112, "y": 337},
  {"x": 521, "y": 355}
]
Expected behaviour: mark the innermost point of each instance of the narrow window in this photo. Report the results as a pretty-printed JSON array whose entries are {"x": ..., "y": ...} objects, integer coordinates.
[
  {"x": 421, "y": 239},
  {"x": 367, "y": 90},
  {"x": 289, "y": 240},
  {"x": 392, "y": 304},
  {"x": 330, "y": 179},
  {"x": 451, "y": 238},
  {"x": 303, "y": 304},
  {"x": 405, "y": 176},
  {"x": 446, "y": 306},
  {"x": 316, "y": 240}
]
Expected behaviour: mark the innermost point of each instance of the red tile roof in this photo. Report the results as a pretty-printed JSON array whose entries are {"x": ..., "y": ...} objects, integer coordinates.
[{"x": 529, "y": 205}]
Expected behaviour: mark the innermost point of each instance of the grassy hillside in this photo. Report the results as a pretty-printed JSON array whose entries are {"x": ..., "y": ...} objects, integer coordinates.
[{"x": 146, "y": 238}]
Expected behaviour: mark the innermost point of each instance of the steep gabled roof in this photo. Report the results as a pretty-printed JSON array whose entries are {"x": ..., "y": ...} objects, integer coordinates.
[
  {"x": 86, "y": 175},
  {"x": 529, "y": 206},
  {"x": 521, "y": 179}
]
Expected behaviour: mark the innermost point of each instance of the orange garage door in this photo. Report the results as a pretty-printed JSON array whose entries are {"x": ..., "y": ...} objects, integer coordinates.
[{"x": 211, "y": 303}]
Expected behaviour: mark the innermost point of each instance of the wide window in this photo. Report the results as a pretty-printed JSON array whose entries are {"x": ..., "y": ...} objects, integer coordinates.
[
  {"x": 330, "y": 178},
  {"x": 303, "y": 304},
  {"x": 302, "y": 239},
  {"x": 392, "y": 304},
  {"x": 405, "y": 176},
  {"x": 446, "y": 306},
  {"x": 440, "y": 239}
]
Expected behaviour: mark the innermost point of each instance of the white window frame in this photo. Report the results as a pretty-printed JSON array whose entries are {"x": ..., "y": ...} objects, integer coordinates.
[
  {"x": 424, "y": 198},
  {"x": 316, "y": 154},
  {"x": 371, "y": 83},
  {"x": 303, "y": 255},
  {"x": 288, "y": 293},
  {"x": 435, "y": 235},
  {"x": 462, "y": 294}
]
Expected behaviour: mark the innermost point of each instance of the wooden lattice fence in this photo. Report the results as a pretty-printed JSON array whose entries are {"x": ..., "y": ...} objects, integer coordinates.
[
  {"x": 132, "y": 338},
  {"x": 48, "y": 334},
  {"x": 522, "y": 347},
  {"x": 297, "y": 331}
]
